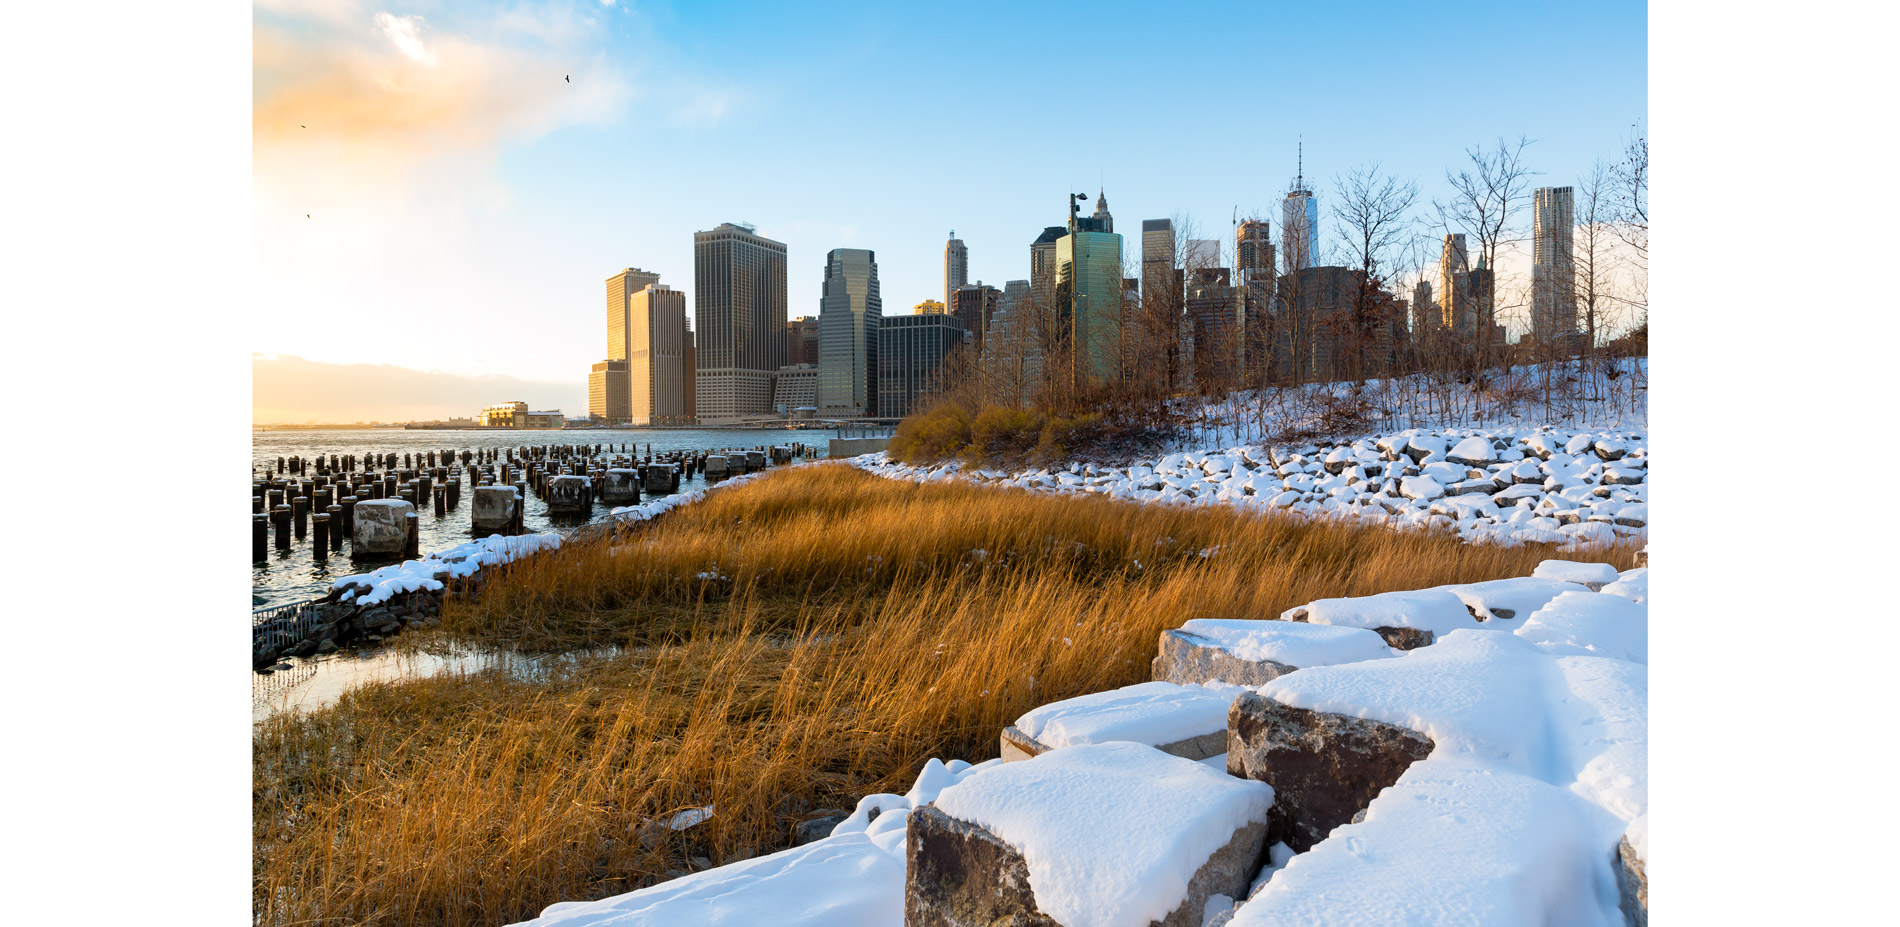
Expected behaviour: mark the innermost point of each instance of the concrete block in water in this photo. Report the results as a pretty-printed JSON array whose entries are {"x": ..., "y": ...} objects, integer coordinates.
[
  {"x": 620, "y": 486},
  {"x": 379, "y": 528},
  {"x": 661, "y": 478},
  {"x": 494, "y": 510},
  {"x": 570, "y": 494},
  {"x": 754, "y": 461},
  {"x": 717, "y": 467}
]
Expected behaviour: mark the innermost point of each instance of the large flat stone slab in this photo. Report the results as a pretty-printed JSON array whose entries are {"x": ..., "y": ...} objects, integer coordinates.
[
  {"x": 1252, "y": 653},
  {"x": 1116, "y": 834},
  {"x": 1188, "y": 721}
]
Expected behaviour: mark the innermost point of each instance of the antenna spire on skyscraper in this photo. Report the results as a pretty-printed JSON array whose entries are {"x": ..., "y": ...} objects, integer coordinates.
[{"x": 1299, "y": 181}]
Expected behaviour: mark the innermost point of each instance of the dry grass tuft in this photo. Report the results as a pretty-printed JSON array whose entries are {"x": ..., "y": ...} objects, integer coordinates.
[{"x": 790, "y": 646}]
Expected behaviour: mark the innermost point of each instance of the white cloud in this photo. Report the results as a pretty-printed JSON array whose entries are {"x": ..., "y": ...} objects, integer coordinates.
[{"x": 406, "y": 32}]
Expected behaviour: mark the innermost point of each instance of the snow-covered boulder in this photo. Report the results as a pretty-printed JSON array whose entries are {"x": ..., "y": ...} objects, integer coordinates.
[
  {"x": 1115, "y": 834},
  {"x": 1251, "y": 652},
  {"x": 1593, "y": 575},
  {"x": 1188, "y": 721},
  {"x": 1473, "y": 451}
]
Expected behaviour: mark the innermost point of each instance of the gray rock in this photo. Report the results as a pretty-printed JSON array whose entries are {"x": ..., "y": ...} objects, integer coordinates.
[
  {"x": 1323, "y": 767},
  {"x": 1406, "y": 638},
  {"x": 1185, "y": 658},
  {"x": 1632, "y": 884},
  {"x": 817, "y": 828},
  {"x": 958, "y": 874}
]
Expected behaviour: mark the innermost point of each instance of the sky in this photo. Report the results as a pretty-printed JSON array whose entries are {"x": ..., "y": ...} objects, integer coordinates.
[{"x": 444, "y": 187}]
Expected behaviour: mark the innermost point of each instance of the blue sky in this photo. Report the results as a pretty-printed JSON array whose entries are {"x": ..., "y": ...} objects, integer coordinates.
[{"x": 472, "y": 202}]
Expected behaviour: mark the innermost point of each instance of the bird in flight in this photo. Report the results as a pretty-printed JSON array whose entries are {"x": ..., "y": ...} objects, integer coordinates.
[
  {"x": 306, "y": 215},
  {"x": 303, "y": 127},
  {"x": 567, "y": 78}
]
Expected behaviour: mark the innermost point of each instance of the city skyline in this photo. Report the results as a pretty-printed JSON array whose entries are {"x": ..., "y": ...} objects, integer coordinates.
[{"x": 438, "y": 168}]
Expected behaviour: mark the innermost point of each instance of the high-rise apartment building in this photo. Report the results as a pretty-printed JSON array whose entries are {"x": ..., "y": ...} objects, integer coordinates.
[
  {"x": 801, "y": 340},
  {"x": 656, "y": 363},
  {"x": 956, "y": 266},
  {"x": 607, "y": 392},
  {"x": 739, "y": 316},
  {"x": 928, "y": 307},
  {"x": 850, "y": 311},
  {"x": 1089, "y": 292},
  {"x": 974, "y": 304},
  {"x": 1553, "y": 263},
  {"x": 910, "y": 353}
]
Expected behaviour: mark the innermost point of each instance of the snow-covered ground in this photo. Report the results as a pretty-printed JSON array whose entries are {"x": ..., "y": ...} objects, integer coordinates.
[
  {"x": 1538, "y": 770},
  {"x": 1506, "y": 486},
  {"x": 1600, "y": 395}
]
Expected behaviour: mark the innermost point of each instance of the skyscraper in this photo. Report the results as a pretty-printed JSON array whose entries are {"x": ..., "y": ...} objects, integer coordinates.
[
  {"x": 850, "y": 311},
  {"x": 607, "y": 392},
  {"x": 1089, "y": 292},
  {"x": 620, "y": 290},
  {"x": 801, "y": 341},
  {"x": 956, "y": 266},
  {"x": 1218, "y": 327},
  {"x": 1425, "y": 314},
  {"x": 910, "y": 352},
  {"x": 1253, "y": 251},
  {"x": 928, "y": 307},
  {"x": 1452, "y": 287},
  {"x": 739, "y": 316},
  {"x": 1299, "y": 223},
  {"x": 1160, "y": 288},
  {"x": 656, "y": 360},
  {"x": 1553, "y": 263},
  {"x": 974, "y": 304},
  {"x": 1199, "y": 254},
  {"x": 1042, "y": 265}
]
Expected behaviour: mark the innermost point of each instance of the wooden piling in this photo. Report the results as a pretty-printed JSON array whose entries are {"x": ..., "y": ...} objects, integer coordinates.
[{"x": 320, "y": 536}]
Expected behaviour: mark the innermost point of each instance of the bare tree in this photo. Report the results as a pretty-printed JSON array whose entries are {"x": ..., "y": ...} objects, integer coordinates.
[
  {"x": 1372, "y": 216},
  {"x": 1487, "y": 194},
  {"x": 1629, "y": 213}
]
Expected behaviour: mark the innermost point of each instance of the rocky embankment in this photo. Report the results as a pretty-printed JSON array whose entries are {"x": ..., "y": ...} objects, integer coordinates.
[
  {"x": 1489, "y": 768},
  {"x": 1507, "y": 486}
]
